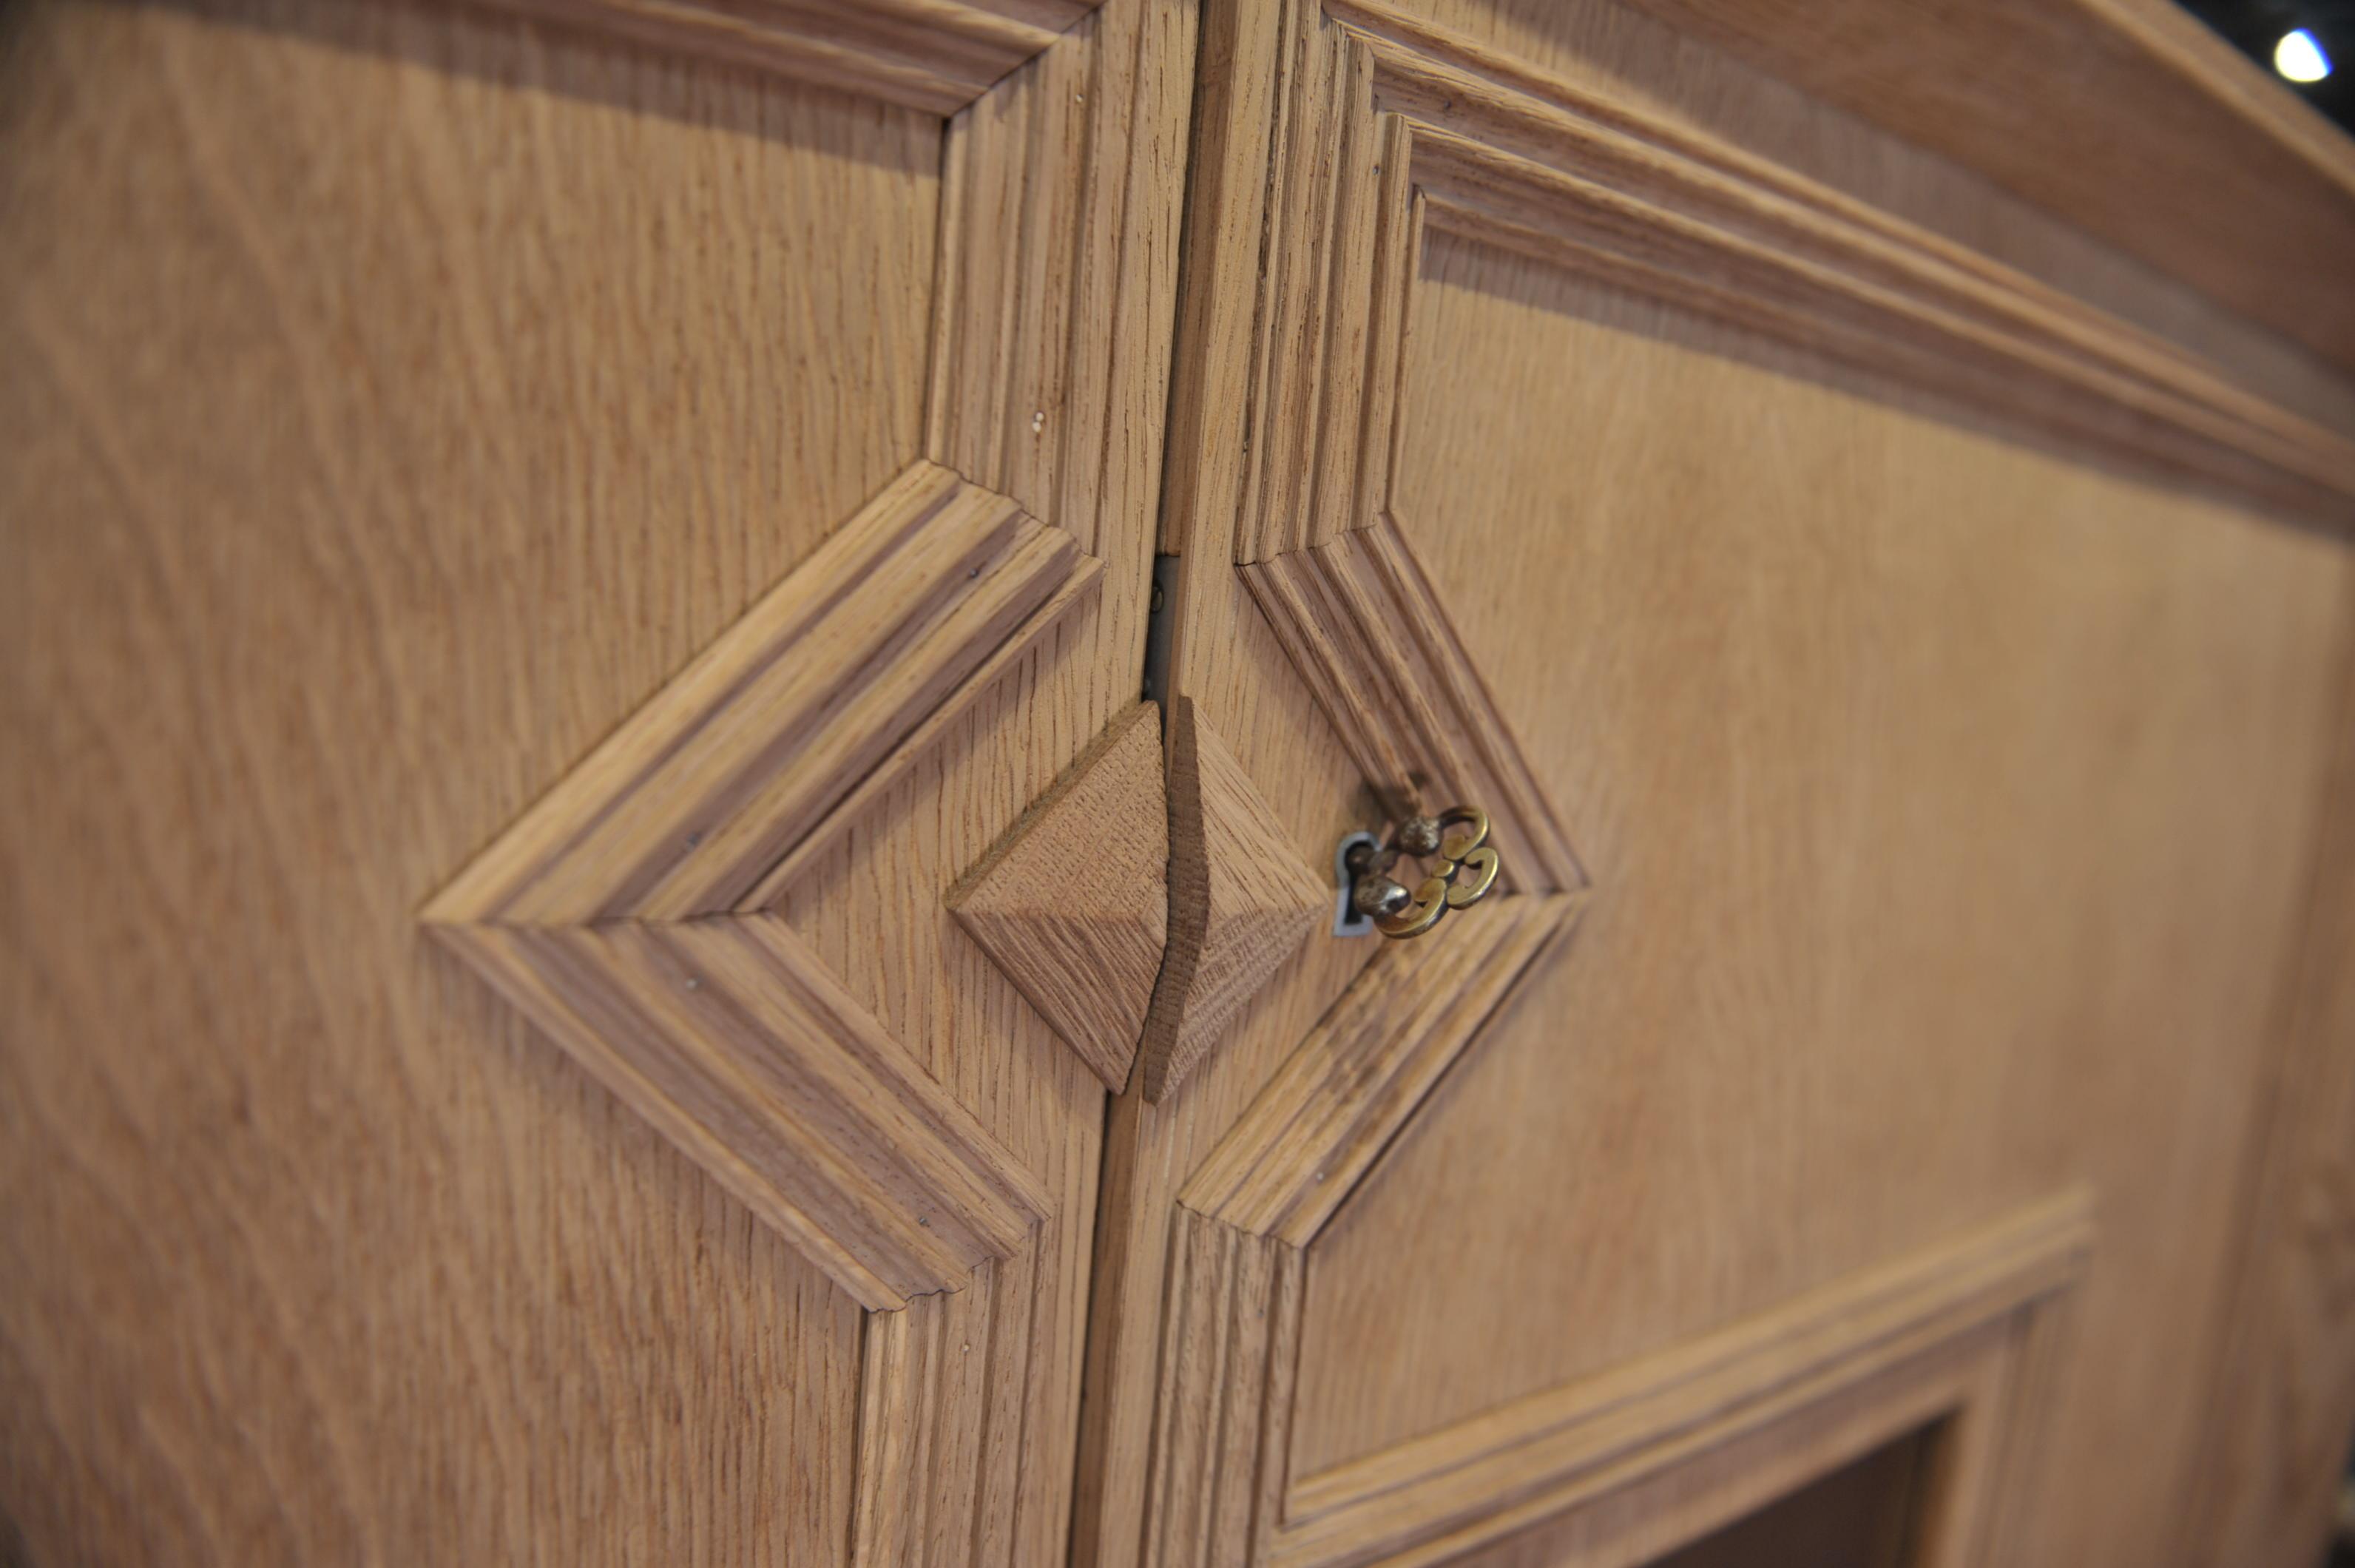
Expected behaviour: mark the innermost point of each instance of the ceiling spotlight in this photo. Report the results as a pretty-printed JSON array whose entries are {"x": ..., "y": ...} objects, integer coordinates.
[{"x": 2300, "y": 59}]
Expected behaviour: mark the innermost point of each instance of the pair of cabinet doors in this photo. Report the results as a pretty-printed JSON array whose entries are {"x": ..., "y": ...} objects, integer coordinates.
[{"x": 682, "y": 685}]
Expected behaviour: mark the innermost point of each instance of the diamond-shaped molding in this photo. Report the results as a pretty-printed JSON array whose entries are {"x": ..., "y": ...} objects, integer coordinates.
[
  {"x": 1241, "y": 901},
  {"x": 625, "y": 913},
  {"x": 1365, "y": 632},
  {"x": 1072, "y": 903}
]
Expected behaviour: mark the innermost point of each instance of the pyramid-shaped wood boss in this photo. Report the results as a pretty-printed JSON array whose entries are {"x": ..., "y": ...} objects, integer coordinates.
[
  {"x": 1072, "y": 903},
  {"x": 627, "y": 912},
  {"x": 1241, "y": 901}
]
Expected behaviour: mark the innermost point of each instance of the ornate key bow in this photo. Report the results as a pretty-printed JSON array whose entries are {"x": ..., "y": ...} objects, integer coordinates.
[{"x": 1458, "y": 864}]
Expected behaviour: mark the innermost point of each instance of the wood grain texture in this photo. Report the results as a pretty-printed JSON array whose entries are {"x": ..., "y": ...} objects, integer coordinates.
[
  {"x": 2263, "y": 1484},
  {"x": 1486, "y": 1477},
  {"x": 689, "y": 805},
  {"x": 372, "y": 447},
  {"x": 1815, "y": 622},
  {"x": 2150, "y": 131},
  {"x": 1056, "y": 273},
  {"x": 936, "y": 56},
  {"x": 1073, "y": 902},
  {"x": 1943, "y": 1401},
  {"x": 1820, "y": 678},
  {"x": 1221, "y": 1494},
  {"x": 1241, "y": 903},
  {"x": 1511, "y": 156},
  {"x": 733, "y": 1041},
  {"x": 1369, "y": 636},
  {"x": 480, "y": 456},
  {"x": 1360, "y": 1077}
]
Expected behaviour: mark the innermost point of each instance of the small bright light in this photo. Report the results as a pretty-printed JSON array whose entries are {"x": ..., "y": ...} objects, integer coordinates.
[{"x": 2300, "y": 59}]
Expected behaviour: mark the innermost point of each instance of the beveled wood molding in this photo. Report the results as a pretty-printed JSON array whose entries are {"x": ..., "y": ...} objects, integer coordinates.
[
  {"x": 1220, "y": 1492},
  {"x": 1573, "y": 1444},
  {"x": 1073, "y": 904},
  {"x": 945, "y": 1395},
  {"x": 737, "y": 764},
  {"x": 966, "y": 589},
  {"x": 933, "y": 55},
  {"x": 1350, "y": 1087},
  {"x": 1241, "y": 903},
  {"x": 1381, "y": 127},
  {"x": 2273, "y": 182},
  {"x": 732, "y": 1040},
  {"x": 1368, "y": 634},
  {"x": 623, "y": 913}
]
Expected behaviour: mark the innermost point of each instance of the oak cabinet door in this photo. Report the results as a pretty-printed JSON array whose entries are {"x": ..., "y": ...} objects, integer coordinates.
[
  {"x": 630, "y": 512},
  {"x": 1899, "y": 690}
]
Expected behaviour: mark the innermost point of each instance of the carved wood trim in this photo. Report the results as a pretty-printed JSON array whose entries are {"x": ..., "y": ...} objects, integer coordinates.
[
  {"x": 725, "y": 1032},
  {"x": 734, "y": 1041},
  {"x": 933, "y": 55},
  {"x": 1042, "y": 440},
  {"x": 1355, "y": 1082},
  {"x": 1382, "y": 125},
  {"x": 1220, "y": 1492},
  {"x": 690, "y": 804},
  {"x": 947, "y": 1396},
  {"x": 1072, "y": 903},
  {"x": 1369, "y": 635},
  {"x": 2277, "y": 180}
]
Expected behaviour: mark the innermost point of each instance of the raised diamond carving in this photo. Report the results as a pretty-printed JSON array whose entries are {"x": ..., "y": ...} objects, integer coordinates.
[
  {"x": 1073, "y": 904},
  {"x": 625, "y": 913},
  {"x": 1369, "y": 635},
  {"x": 1241, "y": 903}
]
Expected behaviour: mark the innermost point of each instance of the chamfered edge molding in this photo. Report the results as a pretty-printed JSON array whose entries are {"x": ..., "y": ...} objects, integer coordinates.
[
  {"x": 1981, "y": 1305},
  {"x": 625, "y": 912},
  {"x": 1368, "y": 634},
  {"x": 2150, "y": 132},
  {"x": 733, "y": 1041},
  {"x": 1381, "y": 126},
  {"x": 1072, "y": 903},
  {"x": 1494, "y": 1473},
  {"x": 734, "y": 766},
  {"x": 1349, "y": 1089},
  {"x": 1513, "y": 158},
  {"x": 933, "y": 55}
]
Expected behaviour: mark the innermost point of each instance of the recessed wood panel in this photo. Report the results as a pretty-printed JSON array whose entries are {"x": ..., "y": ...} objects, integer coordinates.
[
  {"x": 390, "y": 401},
  {"x": 1943, "y": 798}
]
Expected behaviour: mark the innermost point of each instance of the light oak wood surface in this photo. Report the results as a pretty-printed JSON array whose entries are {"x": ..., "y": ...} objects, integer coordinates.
[
  {"x": 372, "y": 451},
  {"x": 932, "y": 55},
  {"x": 1073, "y": 902},
  {"x": 1241, "y": 903},
  {"x": 496, "y": 440},
  {"x": 604, "y": 963},
  {"x": 1777, "y": 615},
  {"x": 2146, "y": 130}
]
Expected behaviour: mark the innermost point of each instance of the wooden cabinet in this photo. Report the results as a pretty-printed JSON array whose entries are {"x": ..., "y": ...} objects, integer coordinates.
[{"x": 605, "y": 965}]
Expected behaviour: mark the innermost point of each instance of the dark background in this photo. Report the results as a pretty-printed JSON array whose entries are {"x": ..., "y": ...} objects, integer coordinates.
[{"x": 2256, "y": 26}]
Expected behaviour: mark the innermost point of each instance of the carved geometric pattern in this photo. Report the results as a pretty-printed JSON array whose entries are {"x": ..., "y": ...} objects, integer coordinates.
[
  {"x": 686, "y": 808},
  {"x": 1496, "y": 151},
  {"x": 622, "y": 913},
  {"x": 1337, "y": 135},
  {"x": 933, "y": 55},
  {"x": 1241, "y": 903},
  {"x": 1349, "y": 1088},
  {"x": 1073, "y": 902},
  {"x": 1368, "y": 634},
  {"x": 734, "y": 1041}
]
